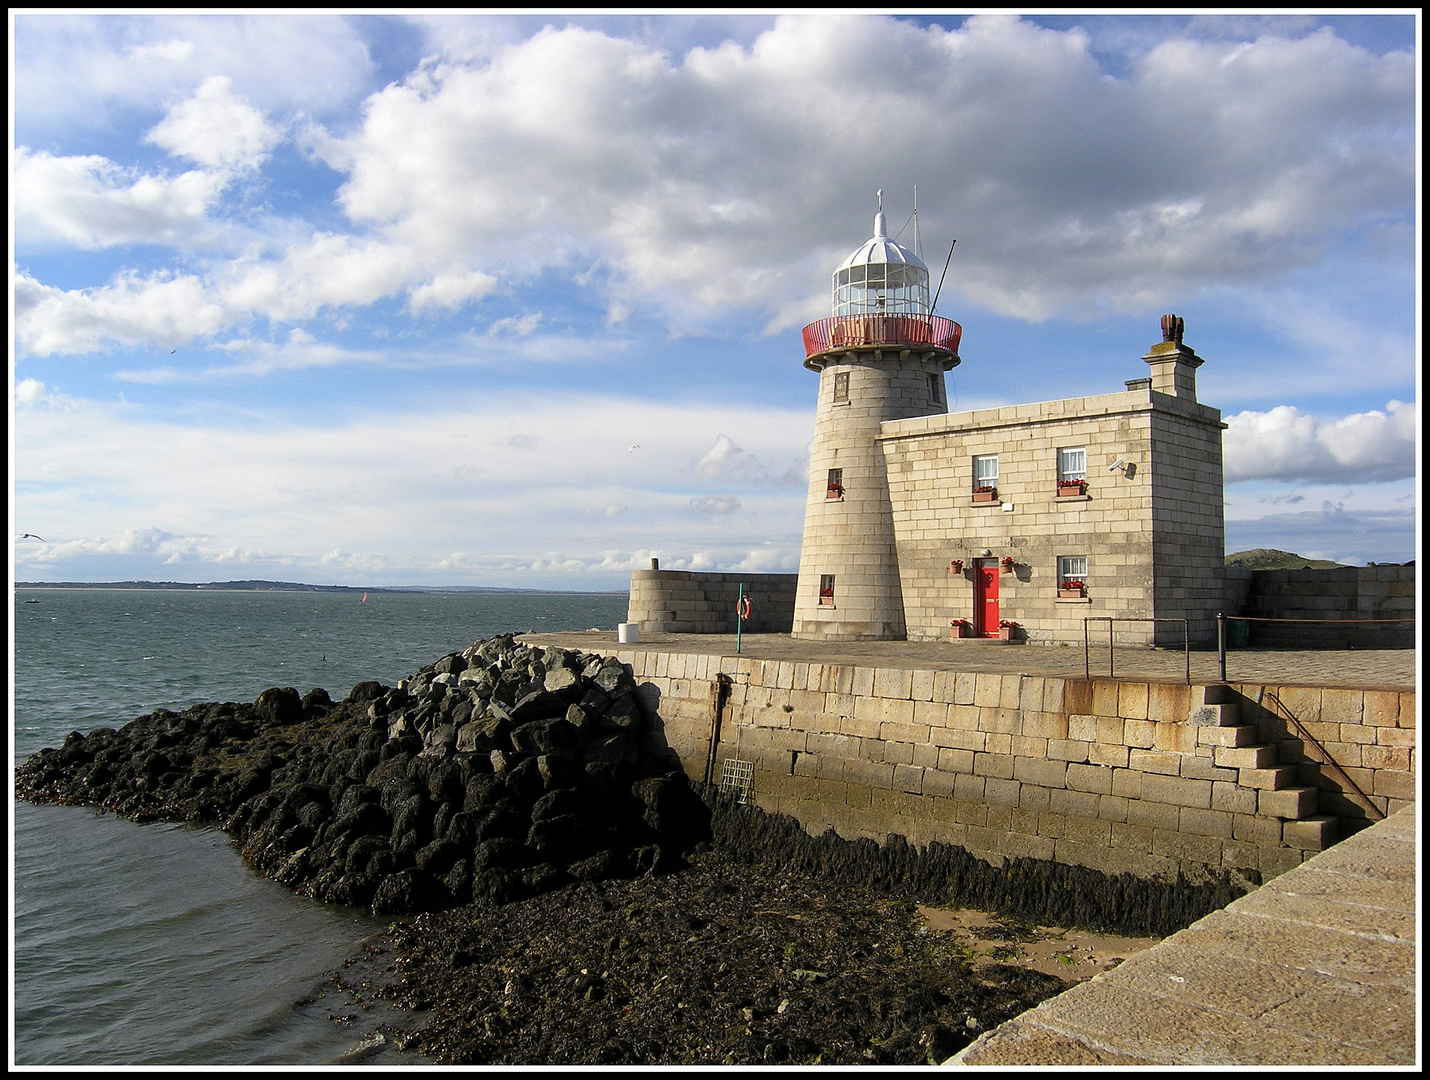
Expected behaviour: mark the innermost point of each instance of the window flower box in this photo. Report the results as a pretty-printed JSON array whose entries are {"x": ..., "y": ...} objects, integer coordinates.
[
  {"x": 834, "y": 491},
  {"x": 1072, "y": 590},
  {"x": 826, "y": 599},
  {"x": 1071, "y": 488},
  {"x": 1007, "y": 631},
  {"x": 985, "y": 494}
]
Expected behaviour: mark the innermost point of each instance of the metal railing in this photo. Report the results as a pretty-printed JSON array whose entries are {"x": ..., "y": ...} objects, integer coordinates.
[
  {"x": 854, "y": 331},
  {"x": 1087, "y": 651},
  {"x": 1306, "y": 735},
  {"x": 1221, "y": 621}
]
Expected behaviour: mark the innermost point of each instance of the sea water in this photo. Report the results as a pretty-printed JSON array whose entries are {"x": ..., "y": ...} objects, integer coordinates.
[{"x": 157, "y": 944}]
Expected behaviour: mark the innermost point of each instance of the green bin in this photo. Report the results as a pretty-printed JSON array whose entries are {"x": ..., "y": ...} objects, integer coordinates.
[{"x": 1238, "y": 633}]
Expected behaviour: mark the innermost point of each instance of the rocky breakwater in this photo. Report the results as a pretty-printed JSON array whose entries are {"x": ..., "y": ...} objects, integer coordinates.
[{"x": 497, "y": 773}]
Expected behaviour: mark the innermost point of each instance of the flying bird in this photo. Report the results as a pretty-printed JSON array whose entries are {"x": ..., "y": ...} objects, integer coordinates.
[
  {"x": 173, "y": 351},
  {"x": 633, "y": 446},
  {"x": 32, "y": 536}
]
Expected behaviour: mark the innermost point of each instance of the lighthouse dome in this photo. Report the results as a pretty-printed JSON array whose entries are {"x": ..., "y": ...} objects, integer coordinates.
[{"x": 881, "y": 277}]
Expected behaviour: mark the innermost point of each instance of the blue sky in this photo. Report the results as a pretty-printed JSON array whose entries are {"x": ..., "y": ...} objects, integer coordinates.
[{"x": 516, "y": 300}]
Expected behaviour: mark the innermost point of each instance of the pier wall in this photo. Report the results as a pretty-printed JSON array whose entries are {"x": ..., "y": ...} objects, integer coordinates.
[
  {"x": 1346, "y": 592},
  {"x": 700, "y": 602},
  {"x": 1147, "y": 778}
]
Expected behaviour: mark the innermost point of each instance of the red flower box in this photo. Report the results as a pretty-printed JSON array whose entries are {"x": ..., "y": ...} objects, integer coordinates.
[
  {"x": 987, "y": 495},
  {"x": 1071, "y": 488}
]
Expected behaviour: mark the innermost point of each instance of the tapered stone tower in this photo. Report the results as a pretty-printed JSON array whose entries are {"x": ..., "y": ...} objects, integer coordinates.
[{"x": 880, "y": 357}]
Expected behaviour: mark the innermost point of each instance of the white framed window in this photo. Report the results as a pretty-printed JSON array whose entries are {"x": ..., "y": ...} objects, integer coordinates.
[
  {"x": 841, "y": 386},
  {"x": 1072, "y": 571},
  {"x": 826, "y": 590},
  {"x": 1072, "y": 464},
  {"x": 985, "y": 471},
  {"x": 834, "y": 488}
]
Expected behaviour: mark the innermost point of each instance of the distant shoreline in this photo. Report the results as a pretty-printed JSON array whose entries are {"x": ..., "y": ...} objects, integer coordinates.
[{"x": 293, "y": 586}]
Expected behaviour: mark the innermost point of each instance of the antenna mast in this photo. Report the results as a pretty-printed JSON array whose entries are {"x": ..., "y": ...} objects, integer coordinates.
[
  {"x": 918, "y": 247},
  {"x": 941, "y": 277}
]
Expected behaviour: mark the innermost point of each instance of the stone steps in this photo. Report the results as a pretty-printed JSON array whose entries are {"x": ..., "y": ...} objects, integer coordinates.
[{"x": 1234, "y": 745}]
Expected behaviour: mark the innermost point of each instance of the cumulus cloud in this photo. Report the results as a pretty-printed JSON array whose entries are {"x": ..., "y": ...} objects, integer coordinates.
[
  {"x": 1287, "y": 444},
  {"x": 515, "y": 326},
  {"x": 132, "y": 310},
  {"x": 726, "y": 461},
  {"x": 91, "y": 202},
  {"x": 216, "y": 128},
  {"x": 738, "y": 175},
  {"x": 447, "y": 292},
  {"x": 1217, "y": 160},
  {"x": 30, "y": 392},
  {"x": 714, "y": 504},
  {"x": 312, "y": 62}
]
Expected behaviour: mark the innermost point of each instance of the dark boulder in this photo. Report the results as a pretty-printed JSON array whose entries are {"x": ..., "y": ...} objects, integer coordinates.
[
  {"x": 407, "y": 892},
  {"x": 366, "y": 691}
]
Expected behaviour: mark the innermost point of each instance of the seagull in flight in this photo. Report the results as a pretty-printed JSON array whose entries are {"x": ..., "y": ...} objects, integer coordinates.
[
  {"x": 173, "y": 351},
  {"x": 633, "y": 446},
  {"x": 32, "y": 536}
]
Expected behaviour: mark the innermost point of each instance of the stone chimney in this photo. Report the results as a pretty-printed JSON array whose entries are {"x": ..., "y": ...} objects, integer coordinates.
[{"x": 1174, "y": 366}]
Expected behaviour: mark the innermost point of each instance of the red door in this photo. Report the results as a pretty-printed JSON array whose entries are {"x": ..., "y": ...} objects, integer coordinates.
[{"x": 985, "y": 599}]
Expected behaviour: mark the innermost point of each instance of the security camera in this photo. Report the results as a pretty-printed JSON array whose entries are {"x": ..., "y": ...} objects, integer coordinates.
[{"x": 1116, "y": 465}]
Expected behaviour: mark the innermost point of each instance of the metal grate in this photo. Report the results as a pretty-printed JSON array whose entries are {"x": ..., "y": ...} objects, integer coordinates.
[{"x": 737, "y": 777}]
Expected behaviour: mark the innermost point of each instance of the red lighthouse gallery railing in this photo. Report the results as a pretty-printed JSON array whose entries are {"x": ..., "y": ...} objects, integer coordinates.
[{"x": 853, "y": 331}]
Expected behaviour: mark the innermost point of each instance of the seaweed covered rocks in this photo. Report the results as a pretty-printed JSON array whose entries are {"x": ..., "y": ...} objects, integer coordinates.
[{"x": 496, "y": 773}]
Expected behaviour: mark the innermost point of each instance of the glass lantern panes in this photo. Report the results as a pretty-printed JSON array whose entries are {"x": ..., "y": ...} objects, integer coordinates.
[{"x": 881, "y": 289}]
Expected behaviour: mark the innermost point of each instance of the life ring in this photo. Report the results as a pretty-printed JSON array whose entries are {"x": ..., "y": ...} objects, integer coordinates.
[{"x": 743, "y": 609}]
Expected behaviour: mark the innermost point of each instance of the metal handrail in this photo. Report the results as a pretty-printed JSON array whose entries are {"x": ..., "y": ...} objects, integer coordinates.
[
  {"x": 1109, "y": 619},
  {"x": 855, "y": 331},
  {"x": 1332, "y": 762}
]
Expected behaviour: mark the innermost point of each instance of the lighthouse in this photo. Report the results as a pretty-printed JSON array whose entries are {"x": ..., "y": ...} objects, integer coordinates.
[{"x": 880, "y": 356}]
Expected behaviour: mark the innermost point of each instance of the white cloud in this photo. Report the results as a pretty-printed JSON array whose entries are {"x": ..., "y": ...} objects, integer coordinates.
[
  {"x": 1218, "y": 160},
  {"x": 30, "y": 392},
  {"x": 162, "y": 308},
  {"x": 516, "y": 326},
  {"x": 714, "y": 504},
  {"x": 344, "y": 495},
  {"x": 216, "y": 128},
  {"x": 313, "y": 62},
  {"x": 739, "y": 175},
  {"x": 1287, "y": 444},
  {"x": 91, "y": 202},
  {"x": 450, "y": 291},
  {"x": 728, "y": 462}
]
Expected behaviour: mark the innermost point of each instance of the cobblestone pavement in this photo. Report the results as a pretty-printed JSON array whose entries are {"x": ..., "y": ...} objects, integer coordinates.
[{"x": 1365, "y": 669}]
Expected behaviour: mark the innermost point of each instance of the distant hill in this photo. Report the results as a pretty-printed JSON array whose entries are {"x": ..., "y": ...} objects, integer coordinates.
[
  {"x": 276, "y": 586},
  {"x": 1271, "y": 559}
]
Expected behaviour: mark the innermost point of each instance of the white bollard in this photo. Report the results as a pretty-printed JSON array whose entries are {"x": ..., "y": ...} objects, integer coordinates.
[{"x": 628, "y": 633}]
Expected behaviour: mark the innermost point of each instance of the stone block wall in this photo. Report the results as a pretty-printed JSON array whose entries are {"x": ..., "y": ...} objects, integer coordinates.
[
  {"x": 693, "y": 602},
  {"x": 1162, "y": 510},
  {"x": 1145, "y": 778},
  {"x": 1349, "y": 592},
  {"x": 1188, "y": 518}
]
